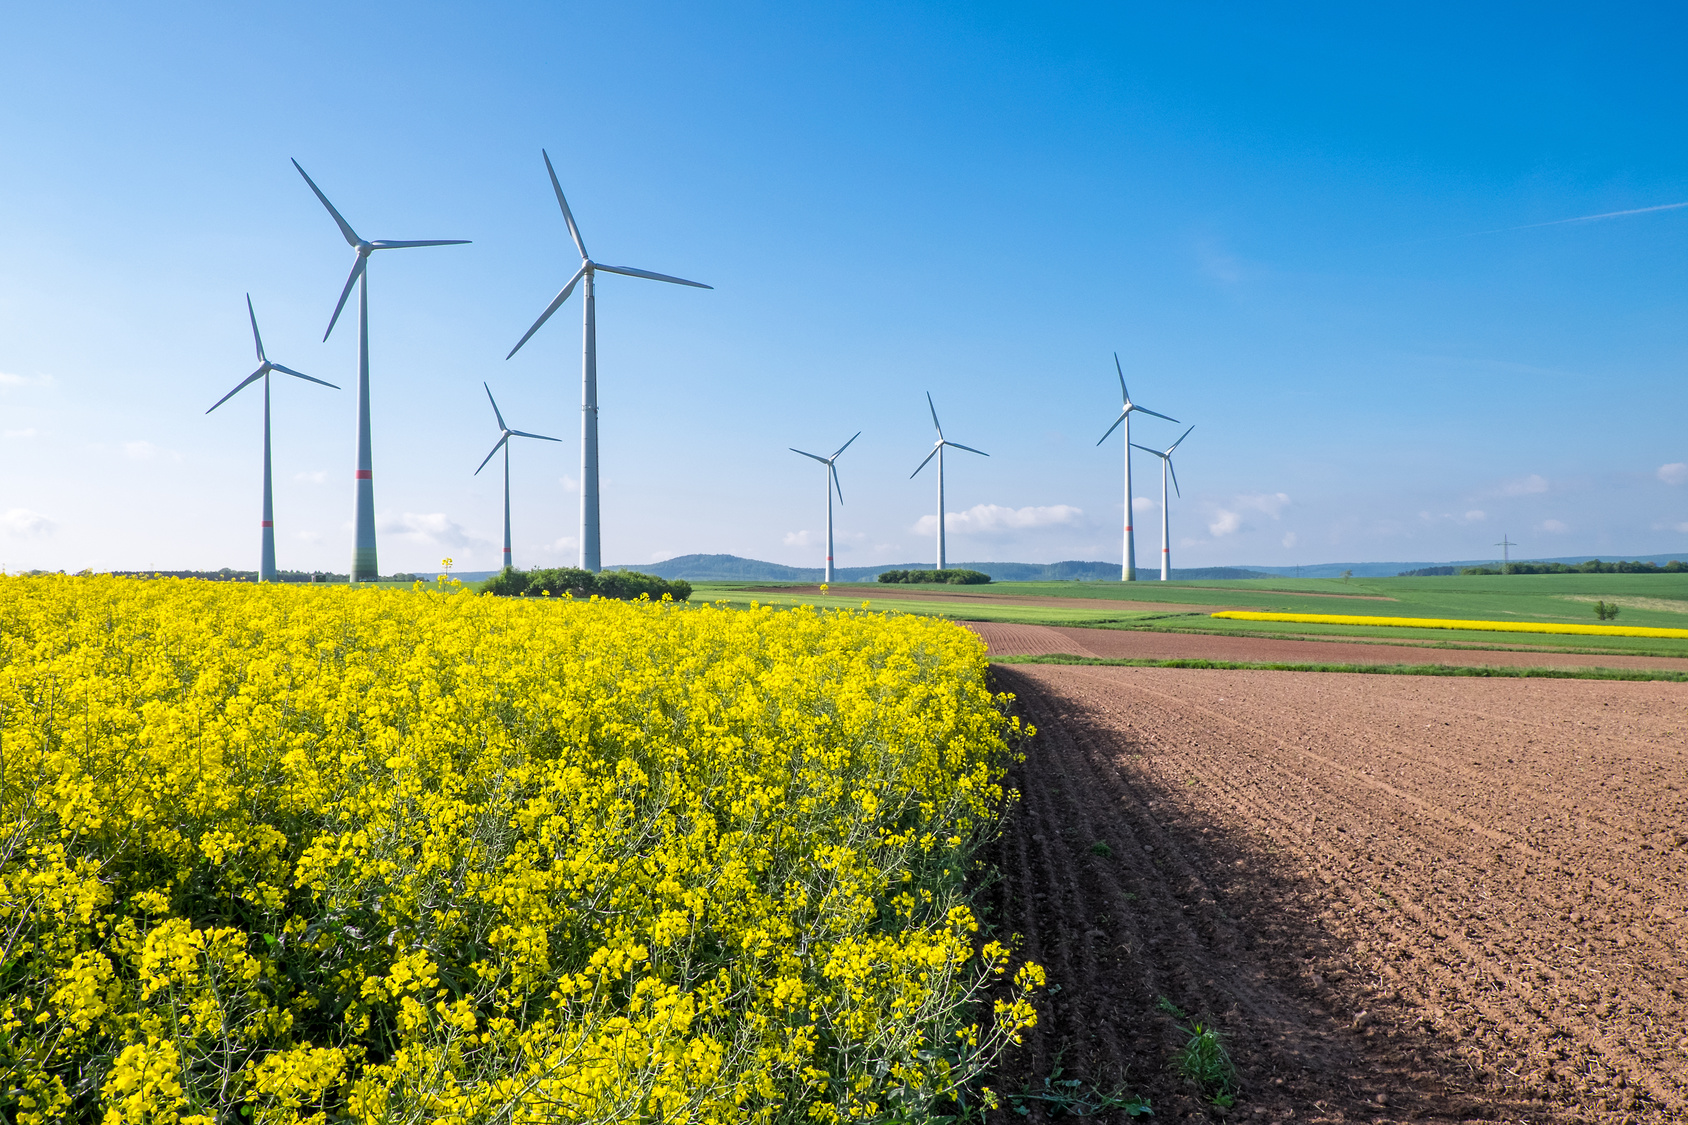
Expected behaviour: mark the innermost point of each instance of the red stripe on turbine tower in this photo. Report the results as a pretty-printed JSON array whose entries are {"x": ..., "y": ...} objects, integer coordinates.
[
  {"x": 266, "y": 523},
  {"x": 364, "y": 474}
]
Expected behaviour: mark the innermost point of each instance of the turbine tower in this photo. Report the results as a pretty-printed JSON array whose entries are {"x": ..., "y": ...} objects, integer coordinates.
[
  {"x": 266, "y": 554},
  {"x": 1166, "y": 526},
  {"x": 504, "y": 440},
  {"x": 1128, "y": 569},
  {"x": 831, "y": 483},
  {"x": 938, "y": 452},
  {"x": 589, "y": 552},
  {"x": 363, "y": 545}
]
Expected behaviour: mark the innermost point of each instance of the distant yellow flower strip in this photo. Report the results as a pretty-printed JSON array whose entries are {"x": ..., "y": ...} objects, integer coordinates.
[
  {"x": 296, "y": 854},
  {"x": 1451, "y": 623}
]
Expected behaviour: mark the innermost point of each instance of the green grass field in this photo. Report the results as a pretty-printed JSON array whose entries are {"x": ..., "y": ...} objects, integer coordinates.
[{"x": 1652, "y": 600}]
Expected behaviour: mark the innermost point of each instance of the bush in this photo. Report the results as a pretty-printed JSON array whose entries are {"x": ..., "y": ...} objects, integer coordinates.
[
  {"x": 624, "y": 585},
  {"x": 949, "y": 577}
]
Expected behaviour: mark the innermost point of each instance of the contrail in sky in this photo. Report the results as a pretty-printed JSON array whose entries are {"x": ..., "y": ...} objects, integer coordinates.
[{"x": 1583, "y": 219}]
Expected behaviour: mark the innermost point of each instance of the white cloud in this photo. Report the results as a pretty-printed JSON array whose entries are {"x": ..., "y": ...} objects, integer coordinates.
[
  {"x": 318, "y": 477},
  {"x": 140, "y": 450},
  {"x": 1143, "y": 504},
  {"x": 29, "y": 433},
  {"x": 1289, "y": 540},
  {"x": 1476, "y": 515},
  {"x": 569, "y": 483},
  {"x": 801, "y": 539},
  {"x": 1674, "y": 473},
  {"x": 1525, "y": 486},
  {"x": 23, "y": 522},
  {"x": 1555, "y": 526},
  {"x": 432, "y": 527},
  {"x": 994, "y": 519},
  {"x": 308, "y": 536},
  {"x": 7, "y": 380},
  {"x": 1227, "y": 520}
]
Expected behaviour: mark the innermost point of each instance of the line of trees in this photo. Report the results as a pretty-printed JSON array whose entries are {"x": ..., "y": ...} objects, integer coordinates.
[
  {"x": 557, "y": 582},
  {"x": 1592, "y": 566},
  {"x": 942, "y": 577}
]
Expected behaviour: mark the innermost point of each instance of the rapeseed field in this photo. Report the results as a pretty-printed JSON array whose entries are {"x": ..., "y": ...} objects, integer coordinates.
[{"x": 284, "y": 854}]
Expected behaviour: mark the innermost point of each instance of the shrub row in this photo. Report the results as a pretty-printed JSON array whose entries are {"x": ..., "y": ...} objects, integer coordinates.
[
  {"x": 623, "y": 585},
  {"x": 946, "y": 577}
]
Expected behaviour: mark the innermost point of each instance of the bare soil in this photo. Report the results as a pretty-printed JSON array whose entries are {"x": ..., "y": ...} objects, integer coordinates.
[
  {"x": 1041, "y": 640},
  {"x": 1399, "y": 898}
]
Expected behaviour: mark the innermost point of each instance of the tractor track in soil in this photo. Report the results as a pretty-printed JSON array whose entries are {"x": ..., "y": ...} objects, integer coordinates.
[{"x": 1412, "y": 899}]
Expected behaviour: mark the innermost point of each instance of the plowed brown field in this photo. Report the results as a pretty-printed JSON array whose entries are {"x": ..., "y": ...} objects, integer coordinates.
[
  {"x": 1400, "y": 898},
  {"x": 1039, "y": 640}
]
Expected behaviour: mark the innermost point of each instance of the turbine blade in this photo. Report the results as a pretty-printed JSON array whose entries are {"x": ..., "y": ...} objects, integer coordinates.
[
  {"x": 1125, "y": 395},
  {"x": 934, "y": 411},
  {"x": 1180, "y": 440},
  {"x": 556, "y": 303},
  {"x": 922, "y": 465},
  {"x": 495, "y": 449},
  {"x": 244, "y": 383},
  {"x": 846, "y": 445},
  {"x": 541, "y": 437},
  {"x": 968, "y": 448},
  {"x": 1146, "y": 449},
  {"x": 257, "y": 340},
  {"x": 495, "y": 411},
  {"x": 388, "y": 244},
  {"x": 357, "y": 270},
  {"x": 568, "y": 216},
  {"x": 833, "y": 469},
  {"x": 814, "y": 456},
  {"x": 345, "y": 227},
  {"x": 1112, "y": 428},
  {"x": 1176, "y": 490},
  {"x": 1145, "y": 410},
  {"x": 631, "y": 272},
  {"x": 301, "y": 375}
]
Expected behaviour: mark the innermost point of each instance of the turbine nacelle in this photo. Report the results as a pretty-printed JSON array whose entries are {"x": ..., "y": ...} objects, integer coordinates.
[
  {"x": 265, "y": 366},
  {"x": 505, "y": 432}
]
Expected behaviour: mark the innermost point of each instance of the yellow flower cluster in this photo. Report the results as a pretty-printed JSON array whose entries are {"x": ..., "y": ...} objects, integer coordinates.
[
  {"x": 1453, "y": 623},
  {"x": 296, "y": 854}
]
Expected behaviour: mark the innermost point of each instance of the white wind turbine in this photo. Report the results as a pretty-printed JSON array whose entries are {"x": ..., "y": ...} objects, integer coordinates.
[
  {"x": 364, "y": 563},
  {"x": 504, "y": 441},
  {"x": 938, "y": 452},
  {"x": 1166, "y": 526},
  {"x": 589, "y": 544},
  {"x": 266, "y": 554},
  {"x": 831, "y": 483},
  {"x": 1128, "y": 569}
]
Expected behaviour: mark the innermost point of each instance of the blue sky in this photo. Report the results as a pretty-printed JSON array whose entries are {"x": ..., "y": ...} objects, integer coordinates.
[{"x": 1308, "y": 230}]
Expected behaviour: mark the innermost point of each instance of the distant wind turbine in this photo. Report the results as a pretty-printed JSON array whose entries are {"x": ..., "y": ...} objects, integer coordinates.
[
  {"x": 1128, "y": 568},
  {"x": 1166, "y": 525},
  {"x": 504, "y": 441},
  {"x": 589, "y": 543},
  {"x": 363, "y": 546},
  {"x": 266, "y": 555},
  {"x": 938, "y": 452},
  {"x": 831, "y": 483}
]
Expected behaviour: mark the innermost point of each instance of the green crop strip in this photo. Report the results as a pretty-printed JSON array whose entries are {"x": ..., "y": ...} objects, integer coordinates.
[{"x": 1480, "y": 671}]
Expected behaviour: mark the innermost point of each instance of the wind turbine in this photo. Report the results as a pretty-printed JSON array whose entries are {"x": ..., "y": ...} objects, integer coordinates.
[
  {"x": 266, "y": 555},
  {"x": 831, "y": 483},
  {"x": 504, "y": 440},
  {"x": 589, "y": 553},
  {"x": 1128, "y": 569},
  {"x": 363, "y": 544},
  {"x": 938, "y": 452},
  {"x": 1166, "y": 526}
]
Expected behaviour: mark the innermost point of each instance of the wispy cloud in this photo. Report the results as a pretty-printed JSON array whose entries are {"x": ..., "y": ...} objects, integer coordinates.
[
  {"x": 1674, "y": 473},
  {"x": 320, "y": 476},
  {"x": 435, "y": 528},
  {"x": 801, "y": 539},
  {"x": 1531, "y": 485},
  {"x": 24, "y": 523},
  {"x": 1475, "y": 515},
  {"x": 1227, "y": 520},
  {"x": 1555, "y": 527},
  {"x": 9, "y": 380},
  {"x": 994, "y": 519},
  {"x": 28, "y": 433}
]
